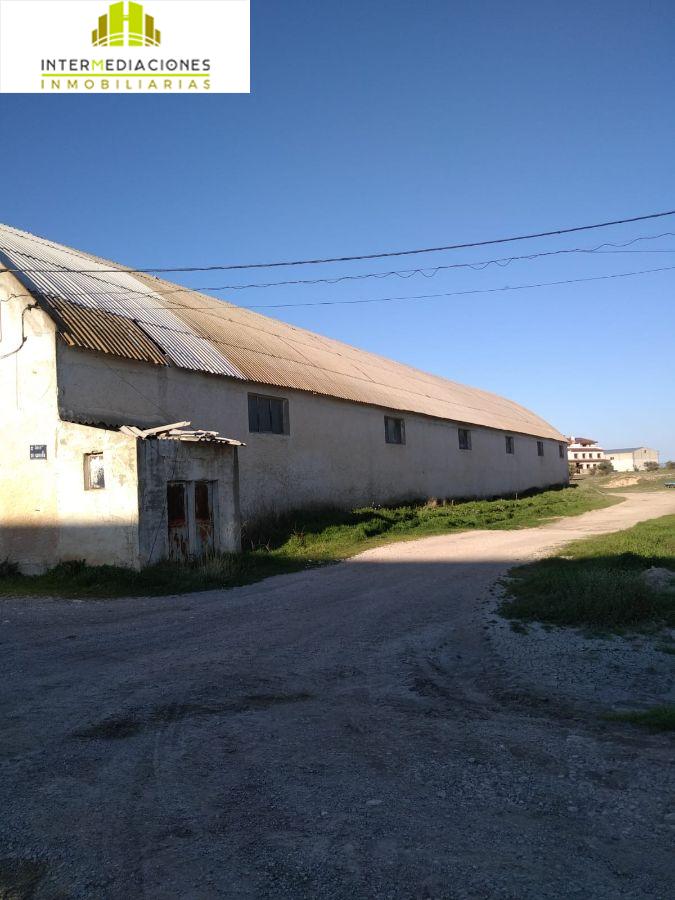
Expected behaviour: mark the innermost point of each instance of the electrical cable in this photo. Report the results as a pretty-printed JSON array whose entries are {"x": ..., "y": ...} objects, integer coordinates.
[
  {"x": 479, "y": 265},
  {"x": 554, "y": 232},
  {"x": 517, "y": 287}
]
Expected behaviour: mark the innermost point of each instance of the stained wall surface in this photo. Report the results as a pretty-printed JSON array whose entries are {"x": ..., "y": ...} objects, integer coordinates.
[
  {"x": 161, "y": 462},
  {"x": 46, "y": 515},
  {"x": 335, "y": 451}
]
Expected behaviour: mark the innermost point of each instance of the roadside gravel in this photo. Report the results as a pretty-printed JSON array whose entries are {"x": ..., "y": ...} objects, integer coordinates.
[
  {"x": 359, "y": 731},
  {"x": 607, "y": 673}
]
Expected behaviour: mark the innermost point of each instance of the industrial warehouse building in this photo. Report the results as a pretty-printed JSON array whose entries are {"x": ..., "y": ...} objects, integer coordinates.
[
  {"x": 96, "y": 365},
  {"x": 632, "y": 459}
]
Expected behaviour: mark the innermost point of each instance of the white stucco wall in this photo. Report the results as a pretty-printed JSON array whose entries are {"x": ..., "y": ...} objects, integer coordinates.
[
  {"x": 45, "y": 513},
  {"x": 27, "y": 410},
  {"x": 335, "y": 452},
  {"x": 635, "y": 460}
]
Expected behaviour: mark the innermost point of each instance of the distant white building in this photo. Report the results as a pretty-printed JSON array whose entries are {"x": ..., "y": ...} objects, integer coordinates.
[
  {"x": 585, "y": 454},
  {"x": 632, "y": 459}
]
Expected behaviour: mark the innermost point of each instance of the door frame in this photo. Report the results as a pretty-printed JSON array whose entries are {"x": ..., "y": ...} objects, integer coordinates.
[{"x": 190, "y": 513}]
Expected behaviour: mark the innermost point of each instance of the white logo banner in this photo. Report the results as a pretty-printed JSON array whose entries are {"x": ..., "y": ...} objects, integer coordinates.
[{"x": 115, "y": 47}]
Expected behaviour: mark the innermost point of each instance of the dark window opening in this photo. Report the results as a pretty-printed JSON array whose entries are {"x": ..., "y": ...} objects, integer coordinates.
[
  {"x": 561, "y": 451},
  {"x": 540, "y": 448},
  {"x": 510, "y": 444},
  {"x": 394, "y": 430},
  {"x": 94, "y": 472},
  {"x": 267, "y": 415},
  {"x": 464, "y": 435}
]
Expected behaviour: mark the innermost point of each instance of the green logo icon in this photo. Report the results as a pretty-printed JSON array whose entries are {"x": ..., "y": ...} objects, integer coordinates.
[{"x": 132, "y": 28}]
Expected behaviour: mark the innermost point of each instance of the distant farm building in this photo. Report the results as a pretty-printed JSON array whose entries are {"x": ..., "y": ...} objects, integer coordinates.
[
  {"x": 585, "y": 454},
  {"x": 97, "y": 365},
  {"x": 632, "y": 459}
]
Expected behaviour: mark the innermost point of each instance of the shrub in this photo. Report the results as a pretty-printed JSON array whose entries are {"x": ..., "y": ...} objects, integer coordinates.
[
  {"x": 604, "y": 468},
  {"x": 651, "y": 466},
  {"x": 8, "y": 569},
  {"x": 670, "y": 464}
]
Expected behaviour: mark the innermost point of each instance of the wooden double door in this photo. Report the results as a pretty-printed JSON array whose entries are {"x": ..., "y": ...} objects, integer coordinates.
[{"x": 191, "y": 519}]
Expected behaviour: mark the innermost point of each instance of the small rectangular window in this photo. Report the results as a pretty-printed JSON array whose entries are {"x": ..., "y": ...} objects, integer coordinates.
[
  {"x": 94, "y": 472},
  {"x": 464, "y": 435},
  {"x": 394, "y": 430},
  {"x": 267, "y": 415},
  {"x": 509, "y": 444},
  {"x": 540, "y": 448},
  {"x": 561, "y": 451}
]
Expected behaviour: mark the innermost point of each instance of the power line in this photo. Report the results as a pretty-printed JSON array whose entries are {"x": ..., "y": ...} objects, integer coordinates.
[
  {"x": 24, "y": 337},
  {"x": 495, "y": 290},
  {"x": 516, "y": 287},
  {"x": 505, "y": 288},
  {"x": 479, "y": 265},
  {"x": 433, "y": 271},
  {"x": 464, "y": 293},
  {"x": 363, "y": 256}
]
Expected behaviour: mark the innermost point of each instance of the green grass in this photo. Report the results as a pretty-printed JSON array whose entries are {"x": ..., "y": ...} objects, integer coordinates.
[
  {"x": 658, "y": 718},
  {"x": 302, "y": 540},
  {"x": 598, "y": 582}
]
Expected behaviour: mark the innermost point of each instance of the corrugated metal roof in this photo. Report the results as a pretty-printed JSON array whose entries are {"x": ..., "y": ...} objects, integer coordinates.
[
  {"x": 202, "y": 333},
  {"x": 97, "y": 329},
  {"x": 120, "y": 295}
]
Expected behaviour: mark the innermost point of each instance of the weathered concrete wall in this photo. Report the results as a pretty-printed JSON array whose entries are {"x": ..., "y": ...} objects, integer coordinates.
[
  {"x": 28, "y": 412},
  {"x": 45, "y": 513},
  {"x": 160, "y": 462},
  {"x": 630, "y": 462},
  {"x": 100, "y": 526},
  {"x": 335, "y": 452}
]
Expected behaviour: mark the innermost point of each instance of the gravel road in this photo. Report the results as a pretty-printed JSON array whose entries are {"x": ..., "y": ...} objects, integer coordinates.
[{"x": 346, "y": 732}]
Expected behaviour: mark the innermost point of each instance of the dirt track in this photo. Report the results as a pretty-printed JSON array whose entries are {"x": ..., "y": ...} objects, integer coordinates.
[{"x": 345, "y": 732}]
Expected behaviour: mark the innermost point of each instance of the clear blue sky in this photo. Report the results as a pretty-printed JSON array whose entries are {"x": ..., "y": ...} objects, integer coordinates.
[{"x": 375, "y": 126}]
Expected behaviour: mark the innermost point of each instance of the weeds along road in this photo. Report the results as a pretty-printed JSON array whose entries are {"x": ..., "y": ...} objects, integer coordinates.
[{"x": 345, "y": 732}]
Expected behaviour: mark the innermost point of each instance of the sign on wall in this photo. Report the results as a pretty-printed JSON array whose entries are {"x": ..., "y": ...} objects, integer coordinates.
[{"x": 38, "y": 451}]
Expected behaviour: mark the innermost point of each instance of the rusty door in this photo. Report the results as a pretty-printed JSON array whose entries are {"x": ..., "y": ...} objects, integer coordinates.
[
  {"x": 177, "y": 511},
  {"x": 204, "y": 532}
]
